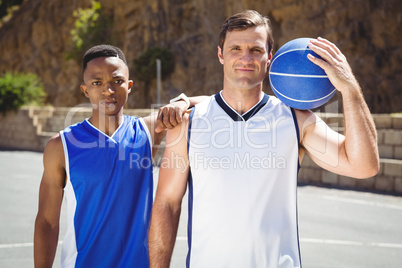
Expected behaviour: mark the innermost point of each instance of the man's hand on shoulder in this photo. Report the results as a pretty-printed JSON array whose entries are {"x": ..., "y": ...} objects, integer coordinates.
[{"x": 171, "y": 115}]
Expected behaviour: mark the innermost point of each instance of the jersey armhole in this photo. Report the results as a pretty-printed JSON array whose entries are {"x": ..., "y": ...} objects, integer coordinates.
[
  {"x": 190, "y": 120},
  {"x": 297, "y": 134},
  {"x": 69, "y": 248},
  {"x": 141, "y": 120},
  {"x": 66, "y": 158}
]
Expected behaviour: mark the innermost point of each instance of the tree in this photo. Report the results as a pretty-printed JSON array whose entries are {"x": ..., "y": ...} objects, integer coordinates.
[
  {"x": 92, "y": 26},
  {"x": 6, "y": 5},
  {"x": 145, "y": 66}
]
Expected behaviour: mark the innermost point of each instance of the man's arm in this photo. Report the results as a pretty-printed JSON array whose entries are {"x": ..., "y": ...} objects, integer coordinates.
[
  {"x": 354, "y": 154},
  {"x": 171, "y": 189},
  {"x": 172, "y": 114},
  {"x": 168, "y": 117},
  {"x": 50, "y": 199}
]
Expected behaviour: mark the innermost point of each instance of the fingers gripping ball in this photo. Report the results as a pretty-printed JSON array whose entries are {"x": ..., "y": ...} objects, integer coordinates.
[{"x": 295, "y": 80}]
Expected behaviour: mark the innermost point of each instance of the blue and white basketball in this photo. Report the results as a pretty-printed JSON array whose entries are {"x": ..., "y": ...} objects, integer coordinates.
[{"x": 295, "y": 80}]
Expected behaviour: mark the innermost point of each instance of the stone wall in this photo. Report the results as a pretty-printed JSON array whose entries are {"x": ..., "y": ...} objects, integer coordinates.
[
  {"x": 38, "y": 37},
  {"x": 19, "y": 130},
  {"x": 30, "y": 128}
]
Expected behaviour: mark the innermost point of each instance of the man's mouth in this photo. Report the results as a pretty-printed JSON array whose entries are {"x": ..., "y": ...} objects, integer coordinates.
[
  {"x": 244, "y": 69},
  {"x": 108, "y": 102}
]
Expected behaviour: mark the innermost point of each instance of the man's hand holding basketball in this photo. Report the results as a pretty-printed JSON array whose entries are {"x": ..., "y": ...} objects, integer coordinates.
[{"x": 334, "y": 64}]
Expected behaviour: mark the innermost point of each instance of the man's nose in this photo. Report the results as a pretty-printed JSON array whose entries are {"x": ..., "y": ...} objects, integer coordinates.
[
  {"x": 246, "y": 56},
  {"x": 109, "y": 89}
]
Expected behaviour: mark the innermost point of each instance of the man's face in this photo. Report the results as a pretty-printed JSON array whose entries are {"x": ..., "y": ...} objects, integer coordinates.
[
  {"x": 106, "y": 84},
  {"x": 245, "y": 57}
]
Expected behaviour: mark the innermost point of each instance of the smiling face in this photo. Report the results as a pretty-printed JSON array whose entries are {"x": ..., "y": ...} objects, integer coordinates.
[
  {"x": 245, "y": 58},
  {"x": 106, "y": 85}
]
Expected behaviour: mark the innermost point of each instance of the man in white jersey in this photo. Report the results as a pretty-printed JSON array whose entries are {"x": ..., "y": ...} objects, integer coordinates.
[
  {"x": 103, "y": 166},
  {"x": 240, "y": 152}
]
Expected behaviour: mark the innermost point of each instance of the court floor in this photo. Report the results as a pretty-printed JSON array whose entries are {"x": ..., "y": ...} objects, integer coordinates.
[{"x": 338, "y": 228}]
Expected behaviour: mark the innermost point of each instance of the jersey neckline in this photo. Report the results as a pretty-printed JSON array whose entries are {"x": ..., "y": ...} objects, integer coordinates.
[
  {"x": 235, "y": 115},
  {"x": 95, "y": 130}
]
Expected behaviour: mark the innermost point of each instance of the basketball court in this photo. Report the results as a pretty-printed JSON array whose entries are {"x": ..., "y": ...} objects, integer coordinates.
[{"x": 338, "y": 228}]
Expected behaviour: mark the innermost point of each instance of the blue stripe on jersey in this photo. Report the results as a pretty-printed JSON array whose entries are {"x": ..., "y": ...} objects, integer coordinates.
[
  {"x": 297, "y": 225},
  {"x": 298, "y": 135},
  {"x": 190, "y": 217},
  {"x": 298, "y": 169},
  {"x": 190, "y": 193},
  {"x": 190, "y": 120}
]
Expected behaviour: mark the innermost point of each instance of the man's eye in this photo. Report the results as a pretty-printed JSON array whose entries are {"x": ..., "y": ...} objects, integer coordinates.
[
  {"x": 96, "y": 83},
  {"x": 119, "y": 81}
]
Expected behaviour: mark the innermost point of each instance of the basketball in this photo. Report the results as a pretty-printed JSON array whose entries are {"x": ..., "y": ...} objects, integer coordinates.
[{"x": 295, "y": 80}]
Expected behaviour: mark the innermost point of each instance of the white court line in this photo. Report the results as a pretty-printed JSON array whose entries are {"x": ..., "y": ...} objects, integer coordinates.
[
  {"x": 17, "y": 245},
  {"x": 334, "y": 242},
  {"x": 350, "y": 243},
  {"x": 21, "y": 245},
  {"x": 358, "y": 201}
]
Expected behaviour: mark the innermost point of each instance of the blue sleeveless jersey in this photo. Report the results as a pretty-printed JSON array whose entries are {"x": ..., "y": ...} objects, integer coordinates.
[{"x": 109, "y": 195}]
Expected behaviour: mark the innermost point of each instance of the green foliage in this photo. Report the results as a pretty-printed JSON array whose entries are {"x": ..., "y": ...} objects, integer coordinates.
[
  {"x": 92, "y": 27},
  {"x": 5, "y": 5},
  {"x": 85, "y": 23},
  {"x": 7, "y": 9},
  {"x": 20, "y": 89},
  {"x": 145, "y": 64}
]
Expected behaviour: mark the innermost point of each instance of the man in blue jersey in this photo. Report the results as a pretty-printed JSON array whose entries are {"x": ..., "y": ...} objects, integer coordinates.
[
  {"x": 240, "y": 152},
  {"x": 103, "y": 166}
]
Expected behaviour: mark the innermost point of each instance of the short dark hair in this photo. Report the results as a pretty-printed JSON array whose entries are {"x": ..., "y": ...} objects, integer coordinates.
[
  {"x": 245, "y": 20},
  {"x": 102, "y": 51}
]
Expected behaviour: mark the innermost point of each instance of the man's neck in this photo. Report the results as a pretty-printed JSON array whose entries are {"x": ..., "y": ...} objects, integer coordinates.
[
  {"x": 242, "y": 100},
  {"x": 106, "y": 123}
]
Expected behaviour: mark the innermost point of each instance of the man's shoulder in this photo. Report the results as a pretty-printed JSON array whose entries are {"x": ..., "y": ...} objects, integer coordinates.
[
  {"x": 204, "y": 105},
  {"x": 206, "y": 101},
  {"x": 55, "y": 140},
  {"x": 54, "y": 146}
]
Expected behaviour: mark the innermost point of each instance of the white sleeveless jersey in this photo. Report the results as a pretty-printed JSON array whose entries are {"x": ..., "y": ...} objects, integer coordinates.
[{"x": 242, "y": 186}]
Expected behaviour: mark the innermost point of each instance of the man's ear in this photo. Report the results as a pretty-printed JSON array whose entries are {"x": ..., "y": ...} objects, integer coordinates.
[
  {"x": 269, "y": 60},
  {"x": 83, "y": 88},
  {"x": 130, "y": 85},
  {"x": 270, "y": 57},
  {"x": 220, "y": 56}
]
